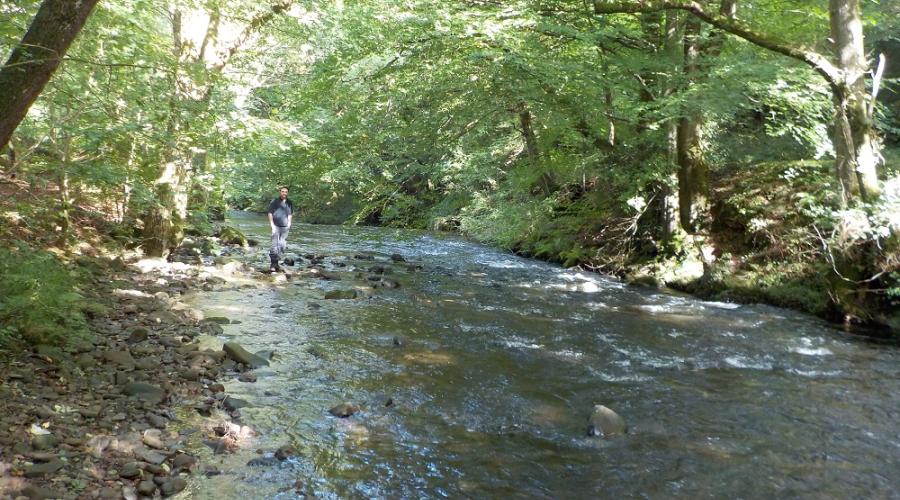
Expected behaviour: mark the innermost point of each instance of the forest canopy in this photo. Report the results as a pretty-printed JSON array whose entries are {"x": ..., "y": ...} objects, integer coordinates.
[{"x": 699, "y": 142}]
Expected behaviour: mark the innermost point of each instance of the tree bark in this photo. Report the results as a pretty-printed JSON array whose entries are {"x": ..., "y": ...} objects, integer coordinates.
[
  {"x": 36, "y": 58},
  {"x": 855, "y": 142},
  {"x": 693, "y": 172}
]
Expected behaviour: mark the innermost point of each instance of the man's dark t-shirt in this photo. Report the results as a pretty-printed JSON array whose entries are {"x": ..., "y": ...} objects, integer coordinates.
[{"x": 280, "y": 210}]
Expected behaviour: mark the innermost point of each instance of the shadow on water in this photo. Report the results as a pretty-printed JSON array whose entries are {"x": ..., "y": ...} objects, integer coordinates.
[{"x": 476, "y": 377}]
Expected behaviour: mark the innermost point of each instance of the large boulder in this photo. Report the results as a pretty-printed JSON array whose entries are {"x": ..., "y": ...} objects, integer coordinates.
[{"x": 240, "y": 355}]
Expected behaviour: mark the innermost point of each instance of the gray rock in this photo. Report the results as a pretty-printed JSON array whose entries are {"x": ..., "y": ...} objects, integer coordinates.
[
  {"x": 85, "y": 361},
  {"x": 157, "y": 421},
  {"x": 184, "y": 461},
  {"x": 248, "y": 377},
  {"x": 150, "y": 456},
  {"x": 232, "y": 404},
  {"x": 146, "y": 488},
  {"x": 221, "y": 320},
  {"x": 90, "y": 412},
  {"x": 153, "y": 439},
  {"x": 172, "y": 486},
  {"x": 605, "y": 422},
  {"x": 34, "y": 492},
  {"x": 241, "y": 355},
  {"x": 121, "y": 358},
  {"x": 145, "y": 392},
  {"x": 396, "y": 257},
  {"x": 262, "y": 462},
  {"x": 138, "y": 334},
  {"x": 41, "y": 470},
  {"x": 43, "y": 442},
  {"x": 192, "y": 374},
  {"x": 44, "y": 412},
  {"x": 131, "y": 470}
]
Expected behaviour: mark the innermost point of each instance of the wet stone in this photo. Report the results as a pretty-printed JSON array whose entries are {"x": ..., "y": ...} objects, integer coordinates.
[
  {"x": 91, "y": 412},
  {"x": 232, "y": 404},
  {"x": 146, "y": 488},
  {"x": 35, "y": 492},
  {"x": 145, "y": 392},
  {"x": 150, "y": 456},
  {"x": 40, "y": 470},
  {"x": 138, "y": 334},
  {"x": 243, "y": 356},
  {"x": 153, "y": 439},
  {"x": 344, "y": 410},
  {"x": 121, "y": 358},
  {"x": 262, "y": 462},
  {"x": 605, "y": 422},
  {"x": 131, "y": 470},
  {"x": 184, "y": 461},
  {"x": 43, "y": 442}
]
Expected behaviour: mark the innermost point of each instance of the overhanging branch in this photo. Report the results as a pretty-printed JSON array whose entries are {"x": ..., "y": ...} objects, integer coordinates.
[{"x": 816, "y": 61}]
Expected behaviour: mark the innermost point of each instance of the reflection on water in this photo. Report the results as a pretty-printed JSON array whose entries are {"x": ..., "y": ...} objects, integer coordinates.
[{"x": 477, "y": 375}]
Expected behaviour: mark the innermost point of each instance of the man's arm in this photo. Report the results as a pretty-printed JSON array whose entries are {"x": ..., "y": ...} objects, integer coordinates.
[{"x": 271, "y": 222}]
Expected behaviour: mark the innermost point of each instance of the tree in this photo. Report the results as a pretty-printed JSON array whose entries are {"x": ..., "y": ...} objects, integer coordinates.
[
  {"x": 198, "y": 65},
  {"x": 36, "y": 58},
  {"x": 857, "y": 147}
]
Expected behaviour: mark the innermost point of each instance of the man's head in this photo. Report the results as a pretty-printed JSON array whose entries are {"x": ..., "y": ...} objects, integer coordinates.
[{"x": 283, "y": 192}]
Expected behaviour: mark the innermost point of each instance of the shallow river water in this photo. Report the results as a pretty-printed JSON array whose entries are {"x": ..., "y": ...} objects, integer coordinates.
[{"x": 501, "y": 360}]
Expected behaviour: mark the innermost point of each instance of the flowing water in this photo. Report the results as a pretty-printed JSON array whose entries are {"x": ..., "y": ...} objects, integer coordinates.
[{"x": 500, "y": 362}]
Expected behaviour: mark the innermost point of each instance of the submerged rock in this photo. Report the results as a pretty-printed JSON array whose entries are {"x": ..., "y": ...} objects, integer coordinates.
[
  {"x": 241, "y": 355},
  {"x": 340, "y": 294},
  {"x": 605, "y": 423},
  {"x": 344, "y": 410}
]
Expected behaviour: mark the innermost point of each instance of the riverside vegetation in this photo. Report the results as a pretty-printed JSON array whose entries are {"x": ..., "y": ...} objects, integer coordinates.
[{"x": 738, "y": 150}]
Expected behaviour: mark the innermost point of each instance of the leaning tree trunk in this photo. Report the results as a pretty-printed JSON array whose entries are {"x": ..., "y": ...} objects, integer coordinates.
[
  {"x": 855, "y": 141},
  {"x": 37, "y": 56}
]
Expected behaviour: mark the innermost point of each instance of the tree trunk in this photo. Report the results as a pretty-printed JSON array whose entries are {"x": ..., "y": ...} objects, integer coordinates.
[
  {"x": 545, "y": 182},
  {"x": 37, "y": 56},
  {"x": 671, "y": 42},
  {"x": 693, "y": 173},
  {"x": 164, "y": 223},
  {"x": 855, "y": 142}
]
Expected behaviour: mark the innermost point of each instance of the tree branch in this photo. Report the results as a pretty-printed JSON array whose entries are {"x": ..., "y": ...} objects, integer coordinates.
[{"x": 816, "y": 61}]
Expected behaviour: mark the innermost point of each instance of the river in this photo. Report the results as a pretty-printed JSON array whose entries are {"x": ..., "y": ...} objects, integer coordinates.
[{"x": 500, "y": 360}]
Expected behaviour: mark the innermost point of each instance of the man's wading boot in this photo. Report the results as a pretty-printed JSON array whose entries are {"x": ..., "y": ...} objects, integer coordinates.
[{"x": 273, "y": 267}]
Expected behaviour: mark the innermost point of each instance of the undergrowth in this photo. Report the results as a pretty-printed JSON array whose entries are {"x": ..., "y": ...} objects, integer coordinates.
[{"x": 40, "y": 302}]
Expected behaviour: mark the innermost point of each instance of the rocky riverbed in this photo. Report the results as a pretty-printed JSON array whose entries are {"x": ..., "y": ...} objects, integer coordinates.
[{"x": 109, "y": 416}]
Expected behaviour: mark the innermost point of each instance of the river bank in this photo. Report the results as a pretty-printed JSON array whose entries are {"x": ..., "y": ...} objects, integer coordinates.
[{"x": 109, "y": 415}]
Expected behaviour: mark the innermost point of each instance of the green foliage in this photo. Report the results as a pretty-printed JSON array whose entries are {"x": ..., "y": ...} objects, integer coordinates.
[{"x": 39, "y": 298}]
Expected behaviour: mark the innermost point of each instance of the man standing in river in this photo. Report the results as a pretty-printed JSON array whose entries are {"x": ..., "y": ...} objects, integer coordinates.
[{"x": 281, "y": 213}]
